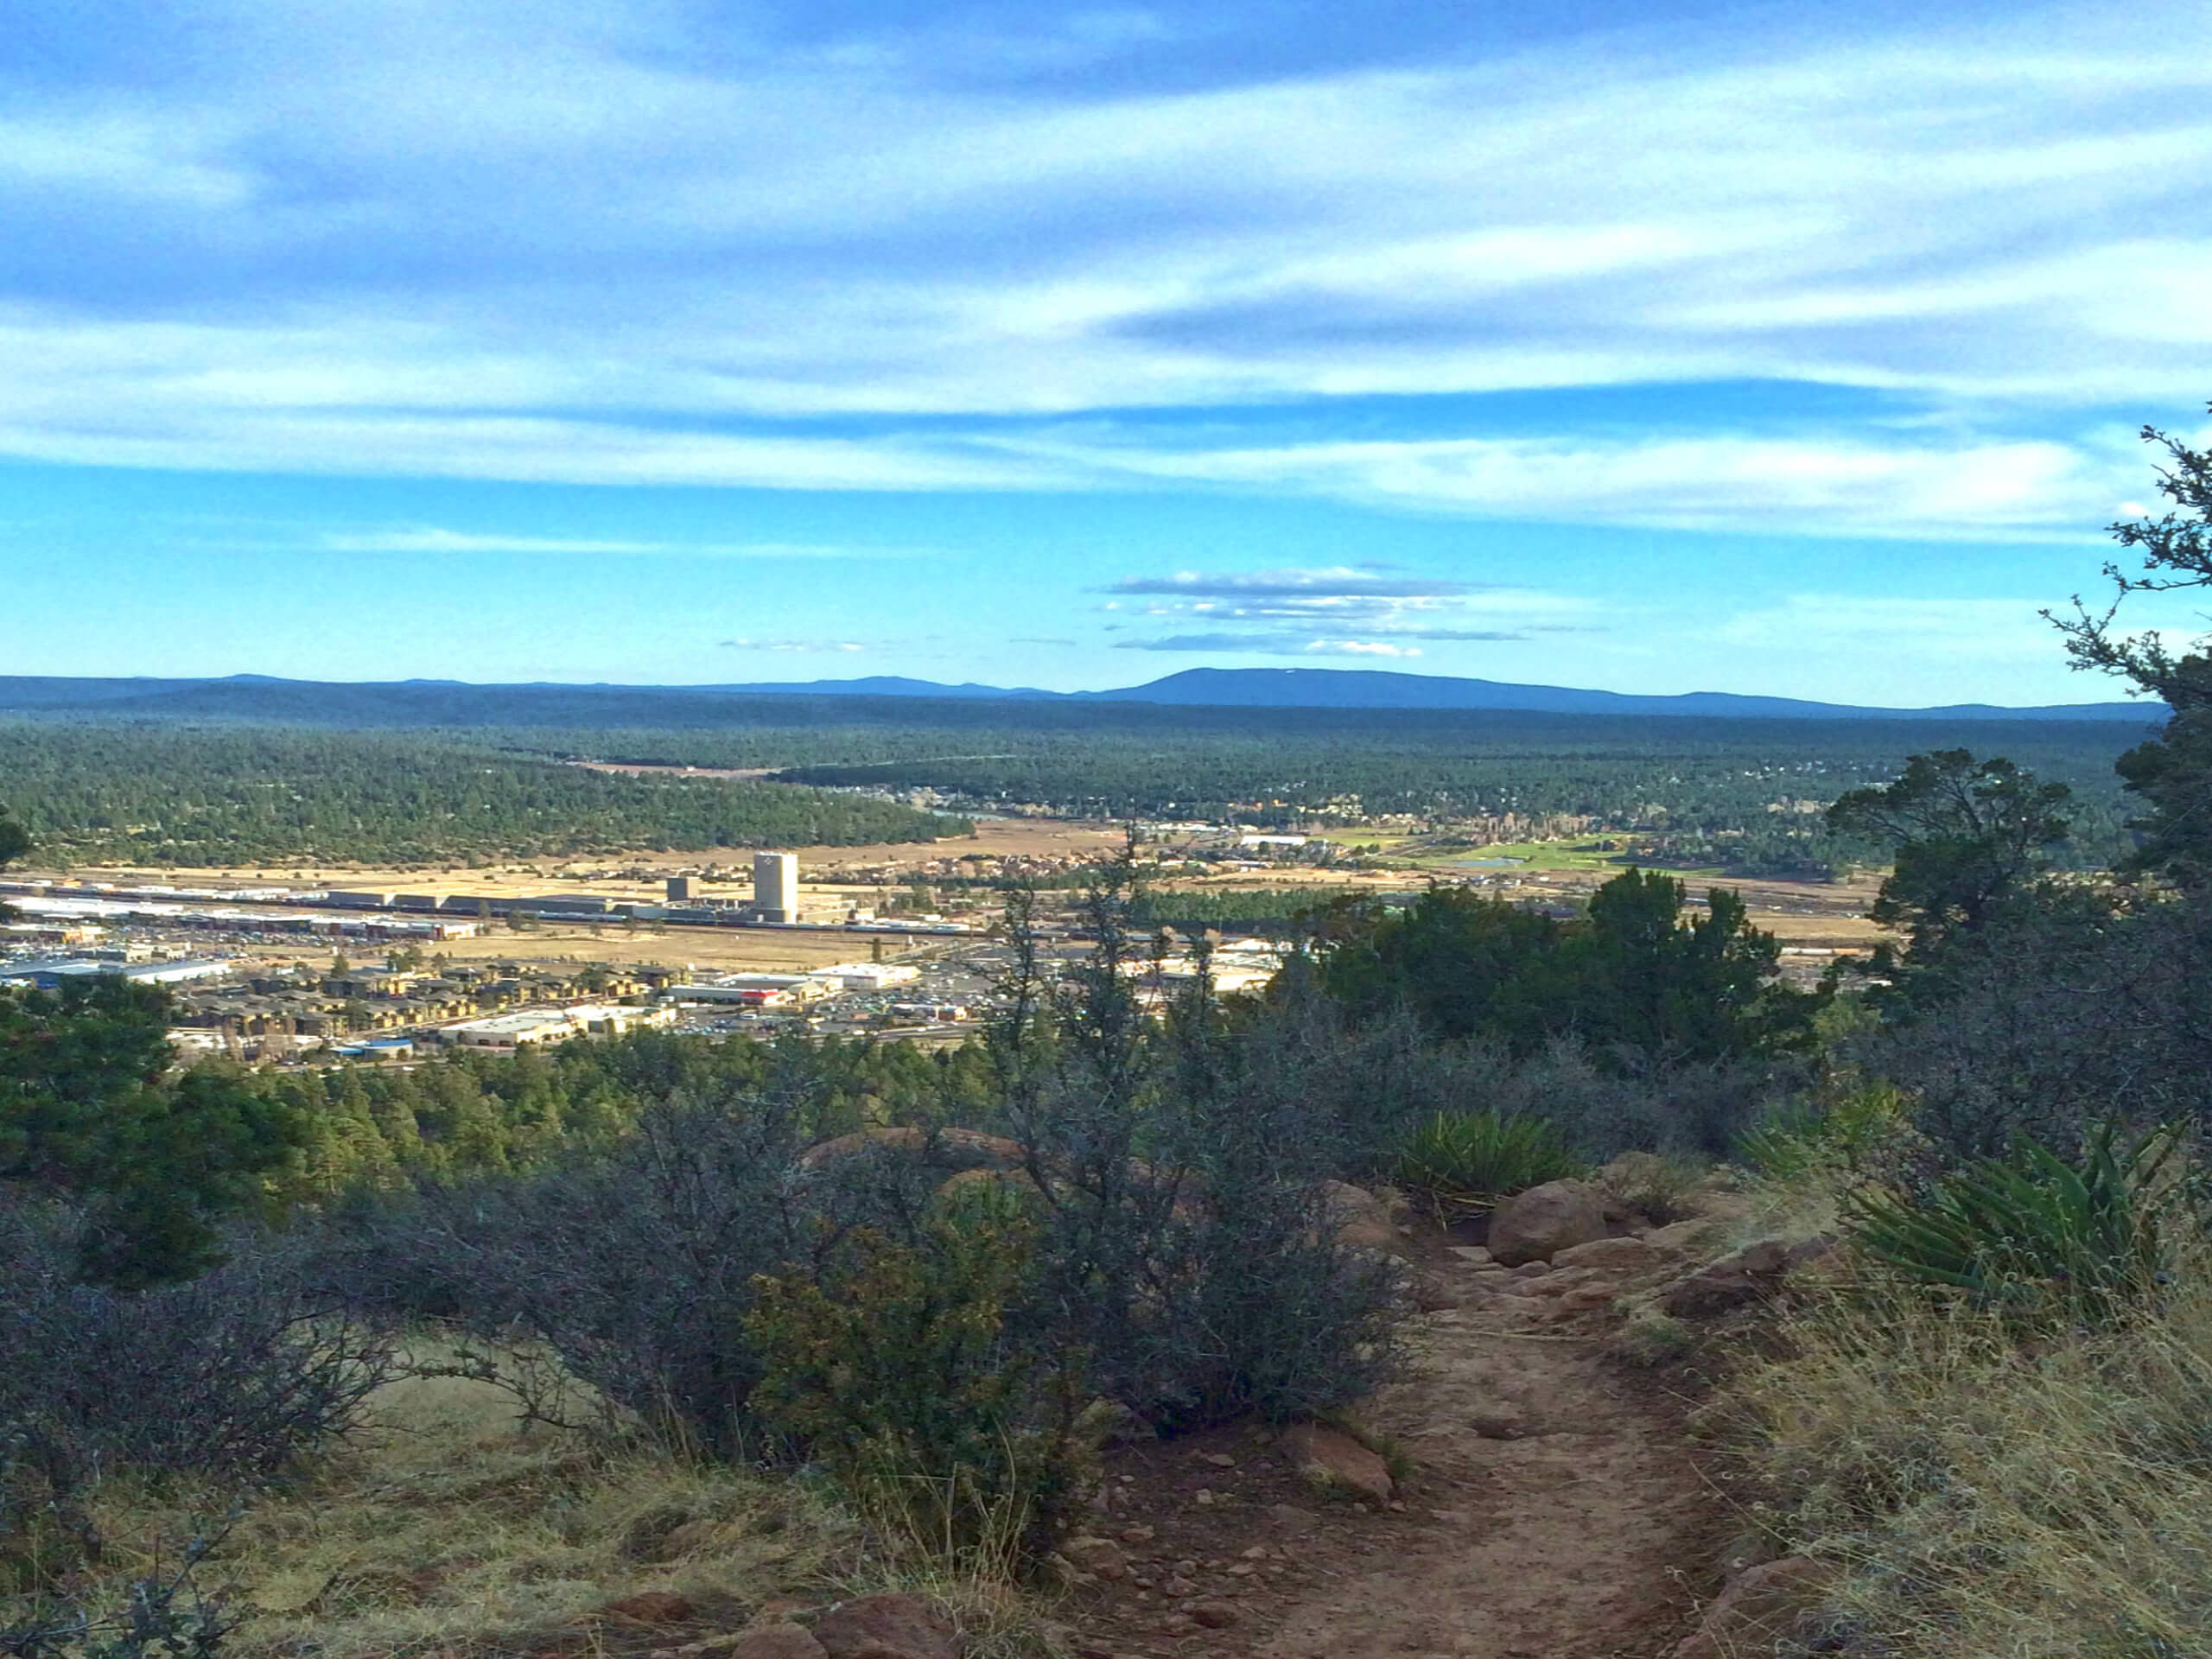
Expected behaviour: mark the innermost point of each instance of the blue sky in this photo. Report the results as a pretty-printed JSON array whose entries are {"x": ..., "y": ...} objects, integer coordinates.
[{"x": 1659, "y": 348}]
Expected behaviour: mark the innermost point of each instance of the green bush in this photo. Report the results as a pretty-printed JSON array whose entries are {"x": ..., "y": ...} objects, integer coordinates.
[
  {"x": 894, "y": 1369},
  {"x": 2036, "y": 1234},
  {"x": 1464, "y": 1162}
]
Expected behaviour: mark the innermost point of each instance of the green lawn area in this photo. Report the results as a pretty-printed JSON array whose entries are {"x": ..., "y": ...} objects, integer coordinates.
[{"x": 1595, "y": 853}]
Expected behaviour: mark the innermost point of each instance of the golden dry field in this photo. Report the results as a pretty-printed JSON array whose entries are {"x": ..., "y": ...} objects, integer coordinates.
[
  {"x": 1799, "y": 913},
  {"x": 1038, "y": 838}
]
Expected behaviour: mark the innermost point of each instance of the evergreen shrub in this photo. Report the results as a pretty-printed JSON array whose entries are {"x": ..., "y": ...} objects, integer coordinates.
[{"x": 892, "y": 1364}]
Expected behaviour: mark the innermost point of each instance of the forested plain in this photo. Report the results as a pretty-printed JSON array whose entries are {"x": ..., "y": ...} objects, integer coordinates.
[
  {"x": 1738, "y": 794},
  {"x": 249, "y": 795}
]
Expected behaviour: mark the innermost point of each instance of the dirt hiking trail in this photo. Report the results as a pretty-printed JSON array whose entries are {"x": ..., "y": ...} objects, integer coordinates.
[
  {"x": 1566, "y": 1541},
  {"x": 1553, "y": 1508}
]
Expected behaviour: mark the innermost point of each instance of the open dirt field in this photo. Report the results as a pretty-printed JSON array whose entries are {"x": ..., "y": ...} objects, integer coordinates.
[{"x": 1830, "y": 914}]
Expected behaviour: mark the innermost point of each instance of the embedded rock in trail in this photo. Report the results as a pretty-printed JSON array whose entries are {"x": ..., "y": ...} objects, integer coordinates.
[
  {"x": 1100, "y": 1557},
  {"x": 953, "y": 1150},
  {"x": 1751, "y": 1275},
  {"x": 1609, "y": 1256},
  {"x": 1332, "y": 1458},
  {"x": 1534, "y": 1225},
  {"x": 776, "y": 1642},
  {"x": 1759, "y": 1610},
  {"x": 653, "y": 1607},
  {"x": 892, "y": 1625},
  {"x": 1363, "y": 1221}
]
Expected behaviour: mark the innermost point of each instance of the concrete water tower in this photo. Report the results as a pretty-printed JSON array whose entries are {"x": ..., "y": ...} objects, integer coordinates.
[{"x": 775, "y": 887}]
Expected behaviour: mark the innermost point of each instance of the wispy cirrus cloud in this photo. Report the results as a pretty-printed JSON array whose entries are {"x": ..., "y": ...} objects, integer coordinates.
[
  {"x": 431, "y": 538},
  {"x": 1334, "y": 610},
  {"x": 769, "y": 248},
  {"x": 1366, "y": 581},
  {"x": 1280, "y": 645},
  {"x": 795, "y": 647},
  {"x": 1881, "y": 484}
]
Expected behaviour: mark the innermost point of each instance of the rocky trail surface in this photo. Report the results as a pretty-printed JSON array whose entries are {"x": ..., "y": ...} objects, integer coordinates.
[
  {"x": 1566, "y": 1511},
  {"x": 1550, "y": 1505}
]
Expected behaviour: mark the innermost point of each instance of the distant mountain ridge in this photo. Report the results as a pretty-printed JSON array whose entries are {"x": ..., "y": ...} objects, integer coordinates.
[
  {"x": 1341, "y": 688},
  {"x": 460, "y": 702}
]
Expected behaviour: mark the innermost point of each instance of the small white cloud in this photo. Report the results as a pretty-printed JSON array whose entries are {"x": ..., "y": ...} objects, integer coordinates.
[
  {"x": 1288, "y": 642},
  {"x": 1286, "y": 608},
  {"x": 1336, "y": 582},
  {"x": 429, "y": 539},
  {"x": 1362, "y": 648}
]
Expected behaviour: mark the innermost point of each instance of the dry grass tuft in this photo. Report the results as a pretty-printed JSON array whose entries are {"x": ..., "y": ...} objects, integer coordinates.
[
  {"x": 446, "y": 1527},
  {"x": 449, "y": 1528},
  {"x": 1987, "y": 1498}
]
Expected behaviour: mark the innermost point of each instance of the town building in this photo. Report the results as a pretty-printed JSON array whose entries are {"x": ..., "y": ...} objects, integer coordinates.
[
  {"x": 865, "y": 976},
  {"x": 527, "y": 1026}
]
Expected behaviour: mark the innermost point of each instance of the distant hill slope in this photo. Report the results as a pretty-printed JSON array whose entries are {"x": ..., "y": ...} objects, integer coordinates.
[
  {"x": 885, "y": 685},
  {"x": 453, "y": 702},
  {"x": 1338, "y": 688}
]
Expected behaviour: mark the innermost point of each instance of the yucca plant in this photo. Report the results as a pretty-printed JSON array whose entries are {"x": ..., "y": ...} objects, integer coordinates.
[
  {"x": 1853, "y": 1131},
  {"x": 1464, "y": 1162},
  {"x": 2038, "y": 1233}
]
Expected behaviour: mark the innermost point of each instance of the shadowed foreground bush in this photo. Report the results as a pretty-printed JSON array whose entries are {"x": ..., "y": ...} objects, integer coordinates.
[
  {"x": 224, "y": 1383},
  {"x": 635, "y": 1267},
  {"x": 231, "y": 1376},
  {"x": 1199, "y": 1282}
]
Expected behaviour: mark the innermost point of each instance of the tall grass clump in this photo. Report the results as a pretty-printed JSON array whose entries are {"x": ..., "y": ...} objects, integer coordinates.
[
  {"x": 1984, "y": 1496},
  {"x": 1997, "y": 1423},
  {"x": 1464, "y": 1162},
  {"x": 163, "y": 1615}
]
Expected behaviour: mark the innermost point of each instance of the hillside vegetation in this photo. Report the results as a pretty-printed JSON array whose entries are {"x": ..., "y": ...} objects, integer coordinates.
[{"x": 800, "y": 1319}]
